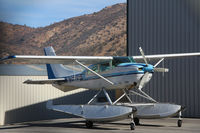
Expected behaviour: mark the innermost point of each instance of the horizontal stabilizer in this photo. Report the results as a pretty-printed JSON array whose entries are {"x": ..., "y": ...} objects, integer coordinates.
[
  {"x": 54, "y": 82},
  {"x": 46, "y": 81}
]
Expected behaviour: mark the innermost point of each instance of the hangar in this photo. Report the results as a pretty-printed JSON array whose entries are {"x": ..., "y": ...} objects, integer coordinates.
[
  {"x": 160, "y": 27},
  {"x": 168, "y": 26}
]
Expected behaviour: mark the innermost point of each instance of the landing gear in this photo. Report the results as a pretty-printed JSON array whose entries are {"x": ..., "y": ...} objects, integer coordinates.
[
  {"x": 89, "y": 124},
  {"x": 179, "y": 122},
  {"x": 137, "y": 121},
  {"x": 132, "y": 124}
]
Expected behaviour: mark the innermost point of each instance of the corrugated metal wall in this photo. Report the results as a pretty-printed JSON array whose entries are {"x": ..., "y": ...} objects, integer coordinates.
[
  {"x": 24, "y": 103},
  {"x": 20, "y": 102},
  {"x": 169, "y": 26}
]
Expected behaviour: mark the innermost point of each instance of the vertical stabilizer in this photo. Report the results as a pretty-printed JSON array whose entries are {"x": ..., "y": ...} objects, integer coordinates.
[{"x": 55, "y": 70}]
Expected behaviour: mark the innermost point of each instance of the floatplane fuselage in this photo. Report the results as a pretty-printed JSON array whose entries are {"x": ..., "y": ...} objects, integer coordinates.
[{"x": 125, "y": 74}]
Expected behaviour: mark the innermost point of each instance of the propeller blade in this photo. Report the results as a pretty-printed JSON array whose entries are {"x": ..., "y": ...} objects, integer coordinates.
[
  {"x": 161, "y": 70},
  {"x": 143, "y": 81},
  {"x": 144, "y": 58},
  {"x": 158, "y": 62}
]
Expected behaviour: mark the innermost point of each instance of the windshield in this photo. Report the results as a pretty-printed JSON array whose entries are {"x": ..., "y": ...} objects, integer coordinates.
[{"x": 118, "y": 60}]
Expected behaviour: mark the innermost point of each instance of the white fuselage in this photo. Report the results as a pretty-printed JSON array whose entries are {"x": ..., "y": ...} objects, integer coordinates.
[{"x": 122, "y": 77}]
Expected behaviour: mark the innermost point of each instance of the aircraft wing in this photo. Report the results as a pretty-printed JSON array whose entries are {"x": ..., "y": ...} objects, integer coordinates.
[
  {"x": 58, "y": 59},
  {"x": 165, "y": 56},
  {"x": 66, "y": 60},
  {"x": 46, "y": 81}
]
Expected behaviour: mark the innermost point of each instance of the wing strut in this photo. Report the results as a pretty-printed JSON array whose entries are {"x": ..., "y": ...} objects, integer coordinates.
[{"x": 95, "y": 73}]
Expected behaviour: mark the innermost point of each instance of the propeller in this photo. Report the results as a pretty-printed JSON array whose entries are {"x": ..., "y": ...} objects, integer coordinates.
[
  {"x": 145, "y": 77},
  {"x": 155, "y": 66}
]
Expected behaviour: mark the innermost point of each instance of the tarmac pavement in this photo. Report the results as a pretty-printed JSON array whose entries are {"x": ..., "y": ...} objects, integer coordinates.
[{"x": 76, "y": 125}]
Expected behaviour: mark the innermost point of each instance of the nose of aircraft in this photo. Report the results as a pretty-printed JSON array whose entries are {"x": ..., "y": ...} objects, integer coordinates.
[{"x": 149, "y": 68}]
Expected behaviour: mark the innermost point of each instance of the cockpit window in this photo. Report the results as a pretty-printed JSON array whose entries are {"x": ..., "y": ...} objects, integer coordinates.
[
  {"x": 105, "y": 66},
  {"x": 94, "y": 68},
  {"x": 118, "y": 60}
]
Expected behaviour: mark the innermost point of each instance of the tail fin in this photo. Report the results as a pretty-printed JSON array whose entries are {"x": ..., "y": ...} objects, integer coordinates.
[{"x": 55, "y": 70}]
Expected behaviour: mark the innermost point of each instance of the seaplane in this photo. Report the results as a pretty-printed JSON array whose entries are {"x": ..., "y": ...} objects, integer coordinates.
[{"x": 104, "y": 73}]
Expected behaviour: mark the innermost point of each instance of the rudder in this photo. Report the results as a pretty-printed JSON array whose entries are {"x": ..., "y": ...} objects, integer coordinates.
[{"x": 55, "y": 70}]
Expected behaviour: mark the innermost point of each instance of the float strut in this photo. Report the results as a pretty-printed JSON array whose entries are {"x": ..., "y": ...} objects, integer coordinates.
[{"x": 107, "y": 96}]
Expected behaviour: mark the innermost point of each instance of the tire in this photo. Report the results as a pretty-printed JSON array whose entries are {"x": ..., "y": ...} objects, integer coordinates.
[
  {"x": 132, "y": 126},
  {"x": 137, "y": 121},
  {"x": 179, "y": 123},
  {"x": 89, "y": 124}
]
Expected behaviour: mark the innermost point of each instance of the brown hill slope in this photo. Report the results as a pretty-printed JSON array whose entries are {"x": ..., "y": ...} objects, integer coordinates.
[{"x": 100, "y": 33}]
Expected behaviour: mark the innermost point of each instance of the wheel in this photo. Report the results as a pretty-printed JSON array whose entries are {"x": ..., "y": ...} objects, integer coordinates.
[
  {"x": 137, "y": 121},
  {"x": 179, "y": 123},
  {"x": 89, "y": 124},
  {"x": 132, "y": 125}
]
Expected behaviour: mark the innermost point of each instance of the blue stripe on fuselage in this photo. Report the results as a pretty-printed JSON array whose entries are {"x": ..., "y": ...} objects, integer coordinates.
[
  {"x": 114, "y": 74},
  {"x": 82, "y": 77}
]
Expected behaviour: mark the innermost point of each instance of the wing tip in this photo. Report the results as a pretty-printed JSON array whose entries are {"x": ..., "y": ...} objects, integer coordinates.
[{"x": 8, "y": 57}]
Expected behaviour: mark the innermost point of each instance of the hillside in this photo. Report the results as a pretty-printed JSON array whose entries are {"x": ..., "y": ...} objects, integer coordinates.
[{"x": 100, "y": 33}]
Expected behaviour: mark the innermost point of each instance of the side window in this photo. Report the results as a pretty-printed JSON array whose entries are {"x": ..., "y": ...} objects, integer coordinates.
[
  {"x": 100, "y": 67},
  {"x": 94, "y": 68},
  {"x": 104, "y": 67}
]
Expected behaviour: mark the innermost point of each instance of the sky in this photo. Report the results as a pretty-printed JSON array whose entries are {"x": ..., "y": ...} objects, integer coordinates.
[{"x": 40, "y": 13}]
